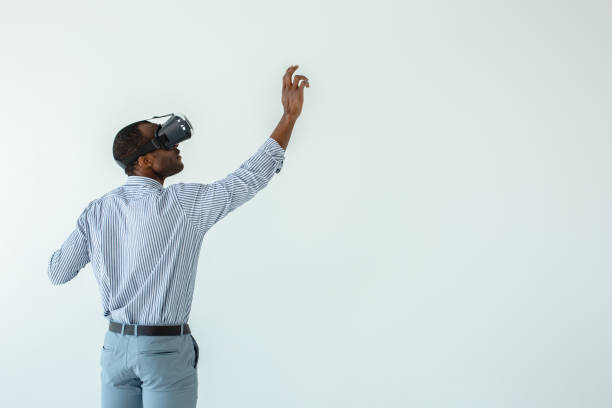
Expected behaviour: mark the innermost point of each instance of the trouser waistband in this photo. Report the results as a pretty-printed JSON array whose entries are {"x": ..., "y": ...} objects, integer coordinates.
[{"x": 148, "y": 330}]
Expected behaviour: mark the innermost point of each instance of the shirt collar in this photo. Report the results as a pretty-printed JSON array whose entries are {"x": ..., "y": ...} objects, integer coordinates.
[{"x": 144, "y": 181}]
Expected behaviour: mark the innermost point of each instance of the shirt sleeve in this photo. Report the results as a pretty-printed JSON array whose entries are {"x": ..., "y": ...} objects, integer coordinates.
[
  {"x": 207, "y": 204},
  {"x": 66, "y": 262}
]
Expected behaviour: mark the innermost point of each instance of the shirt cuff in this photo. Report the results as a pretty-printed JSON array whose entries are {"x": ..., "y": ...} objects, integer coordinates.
[{"x": 275, "y": 151}]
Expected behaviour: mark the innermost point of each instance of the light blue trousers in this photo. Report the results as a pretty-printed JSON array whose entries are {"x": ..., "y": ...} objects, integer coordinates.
[{"x": 149, "y": 371}]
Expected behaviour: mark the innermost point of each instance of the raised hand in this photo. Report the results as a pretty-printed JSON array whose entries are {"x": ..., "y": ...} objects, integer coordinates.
[{"x": 293, "y": 92}]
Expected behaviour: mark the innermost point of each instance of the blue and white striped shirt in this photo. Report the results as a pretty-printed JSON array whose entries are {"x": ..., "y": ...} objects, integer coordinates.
[{"x": 143, "y": 240}]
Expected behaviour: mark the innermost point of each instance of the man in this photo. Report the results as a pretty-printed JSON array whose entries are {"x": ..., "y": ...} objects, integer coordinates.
[{"x": 143, "y": 240}]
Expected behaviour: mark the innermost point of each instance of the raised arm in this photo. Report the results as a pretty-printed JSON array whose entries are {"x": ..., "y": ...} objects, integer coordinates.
[{"x": 207, "y": 204}]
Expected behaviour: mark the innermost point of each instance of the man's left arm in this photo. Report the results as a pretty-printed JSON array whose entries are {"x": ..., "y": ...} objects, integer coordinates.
[{"x": 66, "y": 262}]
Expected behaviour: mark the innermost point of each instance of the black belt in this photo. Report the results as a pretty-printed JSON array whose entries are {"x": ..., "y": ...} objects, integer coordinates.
[{"x": 144, "y": 330}]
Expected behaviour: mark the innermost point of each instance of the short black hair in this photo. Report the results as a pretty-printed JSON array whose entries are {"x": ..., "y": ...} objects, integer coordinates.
[{"x": 127, "y": 141}]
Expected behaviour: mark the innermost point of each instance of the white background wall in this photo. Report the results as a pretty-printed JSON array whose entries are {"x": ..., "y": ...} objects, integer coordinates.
[{"x": 439, "y": 235}]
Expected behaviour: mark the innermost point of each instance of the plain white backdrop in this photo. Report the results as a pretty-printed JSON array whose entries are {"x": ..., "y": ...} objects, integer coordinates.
[{"x": 439, "y": 235}]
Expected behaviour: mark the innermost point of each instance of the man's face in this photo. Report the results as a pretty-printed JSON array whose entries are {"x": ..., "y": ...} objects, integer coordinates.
[{"x": 163, "y": 162}]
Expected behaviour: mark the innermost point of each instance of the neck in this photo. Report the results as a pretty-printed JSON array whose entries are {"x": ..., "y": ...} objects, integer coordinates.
[{"x": 153, "y": 175}]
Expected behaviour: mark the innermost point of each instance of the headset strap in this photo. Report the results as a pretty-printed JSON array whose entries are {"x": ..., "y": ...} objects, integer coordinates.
[{"x": 148, "y": 147}]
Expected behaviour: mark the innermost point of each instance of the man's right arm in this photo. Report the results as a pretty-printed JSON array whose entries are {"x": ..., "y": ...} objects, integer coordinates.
[{"x": 207, "y": 204}]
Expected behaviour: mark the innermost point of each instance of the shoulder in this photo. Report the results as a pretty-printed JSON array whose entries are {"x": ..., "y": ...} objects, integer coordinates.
[
  {"x": 186, "y": 188},
  {"x": 95, "y": 206},
  {"x": 109, "y": 196}
]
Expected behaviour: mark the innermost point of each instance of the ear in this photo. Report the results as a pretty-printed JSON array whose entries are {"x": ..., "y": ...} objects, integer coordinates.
[{"x": 146, "y": 160}]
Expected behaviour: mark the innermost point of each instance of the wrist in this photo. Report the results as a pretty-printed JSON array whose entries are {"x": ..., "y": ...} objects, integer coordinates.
[{"x": 289, "y": 117}]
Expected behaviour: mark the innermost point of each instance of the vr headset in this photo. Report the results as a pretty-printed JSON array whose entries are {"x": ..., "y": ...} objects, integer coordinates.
[{"x": 173, "y": 131}]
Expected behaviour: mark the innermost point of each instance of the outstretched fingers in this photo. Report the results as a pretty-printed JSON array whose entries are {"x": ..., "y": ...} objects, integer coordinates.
[{"x": 287, "y": 77}]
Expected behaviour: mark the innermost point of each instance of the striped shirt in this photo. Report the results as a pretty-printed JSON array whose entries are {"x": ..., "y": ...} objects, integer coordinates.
[{"x": 143, "y": 240}]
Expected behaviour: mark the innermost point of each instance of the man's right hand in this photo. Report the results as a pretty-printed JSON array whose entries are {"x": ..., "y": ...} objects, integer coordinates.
[{"x": 293, "y": 95}]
